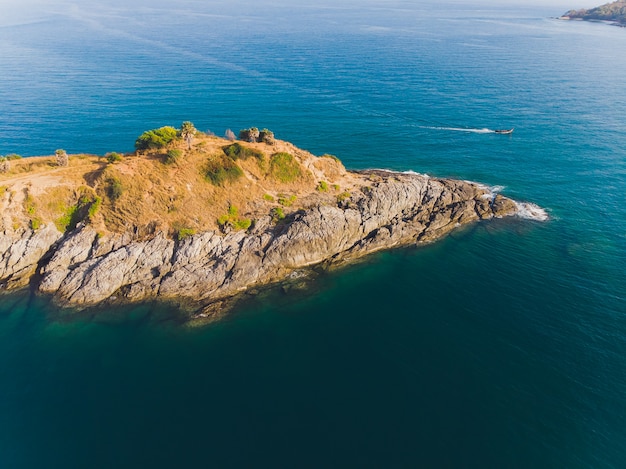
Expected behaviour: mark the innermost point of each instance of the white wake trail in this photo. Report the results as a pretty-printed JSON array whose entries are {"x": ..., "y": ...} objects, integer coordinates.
[{"x": 460, "y": 129}]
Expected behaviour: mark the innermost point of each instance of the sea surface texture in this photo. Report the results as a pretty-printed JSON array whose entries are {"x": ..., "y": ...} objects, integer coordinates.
[{"x": 503, "y": 345}]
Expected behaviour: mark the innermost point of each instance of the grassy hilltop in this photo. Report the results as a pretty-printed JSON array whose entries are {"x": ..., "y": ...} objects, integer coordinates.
[
  {"x": 177, "y": 182},
  {"x": 615, "y": 11}
]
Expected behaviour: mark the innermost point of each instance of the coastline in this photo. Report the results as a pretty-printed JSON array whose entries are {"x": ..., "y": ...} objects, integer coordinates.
[{"x": 206, "y": 269}]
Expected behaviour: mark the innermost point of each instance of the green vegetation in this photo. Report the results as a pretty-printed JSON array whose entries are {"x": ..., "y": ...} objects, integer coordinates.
[
  {"x": 335, "y": 187},
  {"x": 233, "y": 220},
  {"x": 183, "y": 233},
  {"x": 277, "y": 214},
  {"x": 31, "y": 208},
  {"x": 94, "y": 207},
  {"x": 12, "y": 156},
  {"x": 5, "y": 166},
  {"x": 156, "y": 138},
  {"x": 322, "y": 186},
  {"x": 220, "y": 169},
  {"x": 29, "y": 204},
  {"x": 343, "y": 196},
  {"x": 266, "y": 197},
  {"x": 284, "y": 167},
  {"x": 114, "y": 188},
  {"x": 172, "y": 156},
  {"x": 615, "y": 11},
  {"x": 113, "y": 157},
  {"x": 286, "y": 201},
  {"x": 237, "y": 151},
  {"x": 86, "y": 209},
  {"x": 64, "y": 221}
]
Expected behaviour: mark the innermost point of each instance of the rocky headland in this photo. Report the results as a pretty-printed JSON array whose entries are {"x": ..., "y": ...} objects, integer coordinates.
[
  {"x": 93, "y": 230},
  {"x": 614, "y": 13}
]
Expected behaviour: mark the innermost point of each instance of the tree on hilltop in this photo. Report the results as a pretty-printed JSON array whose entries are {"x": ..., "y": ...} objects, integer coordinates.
[
  {"x": 62, "y": 158},
  {"x": 187, "y": 132},
  {"x": 5, "y": 166},
  {"x": 156, "y": 138},
  {"x": 249, "y": 135},
  {"x": 230, "y": 135}
]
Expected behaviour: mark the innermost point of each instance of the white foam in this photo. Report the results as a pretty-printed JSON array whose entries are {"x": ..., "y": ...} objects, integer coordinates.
[
  {"x": 531, "y": 211},
  {"x": 410, "y": 171}
]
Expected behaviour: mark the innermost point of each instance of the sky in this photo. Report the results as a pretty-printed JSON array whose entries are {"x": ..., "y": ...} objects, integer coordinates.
[{"x": 25, "y": 11}]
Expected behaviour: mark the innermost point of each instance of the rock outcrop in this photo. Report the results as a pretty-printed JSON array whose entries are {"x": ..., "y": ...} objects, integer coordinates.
[{"x": 83, "y": 268}]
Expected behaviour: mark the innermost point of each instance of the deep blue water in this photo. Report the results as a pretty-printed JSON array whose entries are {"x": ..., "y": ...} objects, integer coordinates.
[{"x": 503, "y": 345}]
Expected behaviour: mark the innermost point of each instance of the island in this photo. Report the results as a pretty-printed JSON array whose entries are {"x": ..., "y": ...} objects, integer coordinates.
[
  {"x": 614, "y": 12},
  {"x": 199, "y": 220}
]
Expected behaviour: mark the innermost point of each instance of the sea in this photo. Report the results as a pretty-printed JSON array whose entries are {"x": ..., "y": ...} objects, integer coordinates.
[{"x": 501, "y": 346}]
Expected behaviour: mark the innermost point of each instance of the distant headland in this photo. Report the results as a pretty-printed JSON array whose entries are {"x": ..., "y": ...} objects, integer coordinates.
[
  {"x": 614, "y": 12},
  {"x": 200, "y": 220}
]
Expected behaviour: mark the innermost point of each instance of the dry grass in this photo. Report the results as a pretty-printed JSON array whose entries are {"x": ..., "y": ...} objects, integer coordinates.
[{"x": 156, "y": 196}]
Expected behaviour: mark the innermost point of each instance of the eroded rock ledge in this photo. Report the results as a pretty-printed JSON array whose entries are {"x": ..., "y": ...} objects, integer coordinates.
[{"x": 83, "y": 268}]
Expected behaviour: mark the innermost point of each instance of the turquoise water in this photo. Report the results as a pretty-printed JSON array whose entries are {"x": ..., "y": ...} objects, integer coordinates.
[{"x": 503, "y": 345}]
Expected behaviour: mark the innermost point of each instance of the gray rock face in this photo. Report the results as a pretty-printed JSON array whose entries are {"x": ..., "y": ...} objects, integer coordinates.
[
  {"x": 397, "y": 209},
  {"x": 21, "y": 252}
]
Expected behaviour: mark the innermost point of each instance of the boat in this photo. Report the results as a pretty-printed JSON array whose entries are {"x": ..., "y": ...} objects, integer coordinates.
[{"x": 504, "y": 131}]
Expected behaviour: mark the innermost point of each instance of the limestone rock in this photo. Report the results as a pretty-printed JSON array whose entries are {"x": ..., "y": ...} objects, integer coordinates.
[
  {"x": 21, "y": 252},
  {"x": 208, "y": 268}
]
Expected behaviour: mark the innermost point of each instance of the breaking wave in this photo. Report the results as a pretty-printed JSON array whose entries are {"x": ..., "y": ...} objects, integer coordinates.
[{"x": 531, "y": 211}]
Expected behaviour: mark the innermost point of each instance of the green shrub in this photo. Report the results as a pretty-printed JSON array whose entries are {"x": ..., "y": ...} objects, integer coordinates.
[
  {"x": 322, "y": 186},
  {"x": 172, "y": 156},
  {"x": 286, "y": 201},
  {"x": 113, "y": 157},
  {"x": 86, "y": 209},
  {"x": 232, "y": 219},
  {"x": 183, "y": 233},
  {"x": 221, "y": 169},
  {"x": 13, "y": 156},
  {"x": 114, "y": 188},
  {"x": 343, "y": 196},
  {"x": 242, "y": 224},
  {"x": 335, "y": 187},
  {"x": 237, "y": 151},
  {"x": 156, "y": 138},
  {"x": 277, "y": 214},
  {"x": 268, "y": 197},
  {"x": 284, "y": 167},
  {"x": 29, "y": 204},
  {"x": 94, "y": 207},
  {"x": 65, "y": 220},
  {"x": 35, "y": 223}
]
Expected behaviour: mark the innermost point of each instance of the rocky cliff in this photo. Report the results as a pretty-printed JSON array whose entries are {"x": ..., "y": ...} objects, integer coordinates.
[{"x": 84, "y": 269}]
